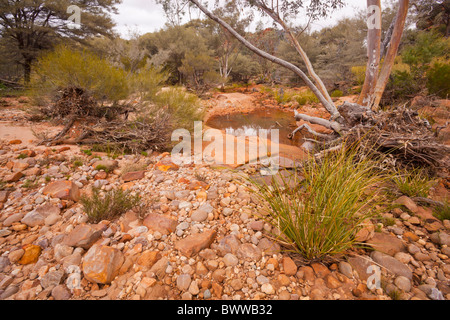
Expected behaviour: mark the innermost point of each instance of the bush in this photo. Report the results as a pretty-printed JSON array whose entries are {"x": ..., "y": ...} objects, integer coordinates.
[
  {"x": 337, "y": 94},
  {"x": 66, "y": 68},
  {"x": 183, "y": 107},
  {"x": 320, "y": 210},
  {"x": 359, "y": 74},
  {"x": 306, "y": 97},
  {"x": 148, "y": 81},
  {"x": 438, "y": 78},
  {"x": 109, "y": 206}
]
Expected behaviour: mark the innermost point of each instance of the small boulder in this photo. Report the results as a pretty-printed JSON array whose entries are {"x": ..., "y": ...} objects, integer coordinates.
[
  {"x": 64, "y": 190},
  {"x": 37, "y": 216},
  {"x": 101, "y": 264},
  {"x": 193, "y": 244}
]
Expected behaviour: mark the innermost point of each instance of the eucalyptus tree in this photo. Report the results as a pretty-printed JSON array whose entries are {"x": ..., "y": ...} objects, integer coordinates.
[{"x": 32, "y": 26}]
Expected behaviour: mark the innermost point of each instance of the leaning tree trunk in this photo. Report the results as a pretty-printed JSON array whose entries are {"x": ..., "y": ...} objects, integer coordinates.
[
  {"x": 329, "y": 105},
  {"x": 386, "y": 70},
  {"x": 373, "y": 51}
]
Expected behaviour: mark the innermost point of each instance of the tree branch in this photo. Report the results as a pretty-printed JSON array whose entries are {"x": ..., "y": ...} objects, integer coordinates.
[{"x": 328, "y": 106}]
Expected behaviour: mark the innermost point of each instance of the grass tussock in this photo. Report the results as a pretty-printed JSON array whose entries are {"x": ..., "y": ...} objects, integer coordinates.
[
  {"x": 413, "y": 183},
  {"x": 110, "y": 205},
  {"x": 319, "y": 210}
]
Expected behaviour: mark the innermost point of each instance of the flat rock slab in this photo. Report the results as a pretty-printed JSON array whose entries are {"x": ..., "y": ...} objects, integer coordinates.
[
  {"x": 386, "y": 243},
  {"x": 361, "y": 266},
  {"x": 392, "y": 264},
  {"x": 160, "y": 223},
  {"x": 83, "y": 236},
  {"x": 132, "y": 176},
  {"x": 193, "y": 244},
  {"x": 37, "y": 216},
  {"x": 63, "y": 189}
]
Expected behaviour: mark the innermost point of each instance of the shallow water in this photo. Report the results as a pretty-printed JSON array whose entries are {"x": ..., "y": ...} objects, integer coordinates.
[{"x": 251, "y": 124}]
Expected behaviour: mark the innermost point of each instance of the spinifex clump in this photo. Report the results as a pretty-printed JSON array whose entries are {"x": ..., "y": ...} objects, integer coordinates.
[{"x": 318, "y": 210}]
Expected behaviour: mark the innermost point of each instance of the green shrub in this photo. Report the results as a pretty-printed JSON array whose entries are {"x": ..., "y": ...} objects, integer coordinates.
[
  {"x": 337, "y": 94},
  {"x": 306, "y": 97},
  {"x": 148, "y": 81},
  {"x": 413, "y": 183},
  {"x": 359, "y": 74},
  {"x": 109, "y": 206},
  {"x": 183, "y": 107},
  {"x": 320, "y": 210},
  {"x": 66, "y": 68},
  {"x": 438, "y": 78}
]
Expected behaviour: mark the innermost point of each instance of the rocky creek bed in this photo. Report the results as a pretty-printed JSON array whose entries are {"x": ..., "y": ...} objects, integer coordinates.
[{"x": 203, "y": 237}]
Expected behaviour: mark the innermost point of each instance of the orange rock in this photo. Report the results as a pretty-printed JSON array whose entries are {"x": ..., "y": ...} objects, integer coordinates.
[
  {"x": 149, "y": 258},
  {"x": 17, "y": 141},
  {"x": 289, "y": 266},
  {"x": 64, "y": 190},
  {"x": 193, "y": 244},
  {"x": 101, "y": 264},
  {"x": 31, "y": 254}
]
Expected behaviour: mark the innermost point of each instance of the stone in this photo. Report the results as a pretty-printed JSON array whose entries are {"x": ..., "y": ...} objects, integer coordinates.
[
  {"x": 193, "y": 288},
  {"x": 230, "y": 260},
  {"x": 52, "y": 279},
  {"x": 366, "y": 232},
  {"x": 193, "y": 244},
  {"x": 61, "y": 292},
  {"x": 403, "y": 283},
  {"x": 413, "y": 249},
  {"x": 83, "y": 236},
  {"x": 414, "y": 221},
  {"x": 52, "y": 219},
  {"x": 267, "y": 288},
  {"x": 444, "y": 239},
  {"x": 31, "y": 254},
  {"x": 37, "y": 216},
  {"x": 361, "y": 266},
  {"x": 332, "y": 282},
  {"x": 13, "y": 177},
  {"x": 256, "y": 225},
  {"x": 289, "y": 266},
  {"x": 132, "y": 176},
  {"x": 161, "y": 223},
  {"x": 392, "y": 264},
  {"x": 183, "y": 282},
  {"x": 422, "y": 256},
  {"x": 228, "y": 244},
  {"x": 306, "y": 273},
  {"x": 386, "y": 243},
  {"x": 320, "y": 270},
  {"x": 101, "y": 264},
  {"x": 403, "y": 257},
  {"x": 61, "y": 251},
  {"x": 4, "y": 196},
  {"x": 13, "y": 218},
  {"x": 269, "y": 247},
  {"x": 64, "y": 190},
  {"x": 199, "y": 215},
  {"x": 15, "y": 255},
  {"x": 148, "y": 258},
  {"x": 346, "y": 269},
  {"x": 408, "y": 203},
  {"x": 410, "y": 236},
  {"x": 9, "y": 292},
  {"x": 249, "y": 252}
]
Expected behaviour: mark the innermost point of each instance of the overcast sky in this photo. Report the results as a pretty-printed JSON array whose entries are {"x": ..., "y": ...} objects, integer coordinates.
[{"x": 144, "y": 16}]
